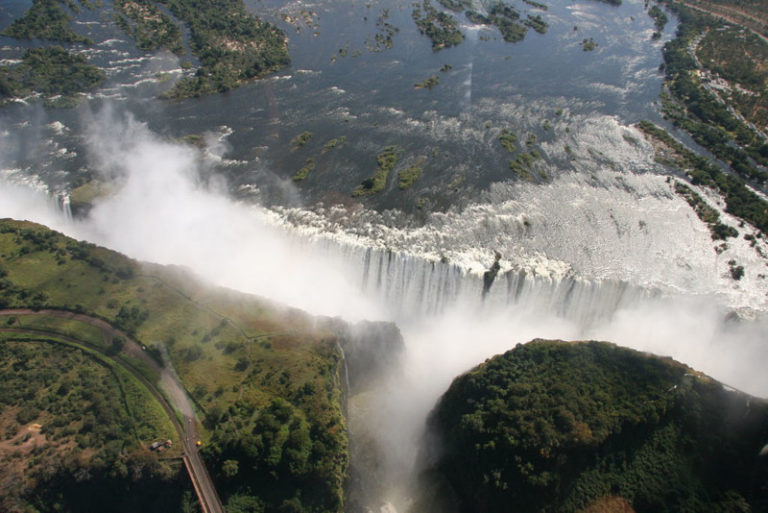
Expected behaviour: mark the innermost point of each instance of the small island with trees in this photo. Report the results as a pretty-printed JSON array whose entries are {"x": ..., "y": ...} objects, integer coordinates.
[
  {"x": 148, "y": 25},
  {"x": 386, "y": 161},
  {"x": 45, "y": 19},
  {"x": 440, "y": 27},
  {"x": 427, "y": 83},
  {"x": 588, "y": 45},
  {"x": 51, "y": 71},
  {"x": 409, "y": 175},
  {"x": 232, "y": 45}
]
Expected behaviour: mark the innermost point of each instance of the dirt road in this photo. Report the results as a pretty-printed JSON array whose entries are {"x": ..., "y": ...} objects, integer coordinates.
[
  {"x": 170, "y": 393},
  {"x": 732, "y": 15}
]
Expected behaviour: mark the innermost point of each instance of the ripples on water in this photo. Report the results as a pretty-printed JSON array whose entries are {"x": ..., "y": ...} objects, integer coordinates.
[{"x": 602, "y": 249}]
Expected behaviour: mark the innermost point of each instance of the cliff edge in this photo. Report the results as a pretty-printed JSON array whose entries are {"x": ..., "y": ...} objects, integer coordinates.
[{"x": 588, "y": 427}]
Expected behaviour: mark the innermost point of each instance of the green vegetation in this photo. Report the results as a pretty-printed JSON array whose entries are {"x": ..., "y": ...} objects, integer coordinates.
[
  {"x": 739, "y": 199},
  {"x": 535, "y": 4},
  {"x": 300, "y": 140},
  {"x": 521, "y": 165},
  {"x": 750, "y": 14},
  {"x": 45, "y": 19},
  {"x": 737, "y": 271},
  {"x": 455, "y": 5},
  {"x": 558, "y": 426},
  {"x": 507, "y": 138},
  {"x": 385, "y": 32},
  {"x": 741, "y": 58},
  {"x": 696, "y": 110},
  {"x": 706, "y": 213},
  {"x": 536, "y": 23},
  {"x": 407, "y": 176},
  {"x": 477, "y": 18},
  {"x": 386, "y": 161},
  {"x": 303, "y": 173},
  {"x": 337, "y": 142},
  {"x": 446, "y": 68},
  {"x": 232, "y": 45},
  {"x": 503, "y": 10},
  {"x": 518, "y": 167},
  {"x": 266, "y": 380},
  {"x": 49, "y": 71},
  {"x": 196, "y": 140},
  {"x": 75, "y": 431},
  {"x": 427, "y": 83},
  {"x": 659, "y": 19},
  {"x": 505, "y": 18},
  {"x": 510, "y": 31},
  {"x": 82, "y": 197},
  {"x": 440, "y": 27},
  {"x": 151, "y": 28},
  {"x": 588, "y": 45}
]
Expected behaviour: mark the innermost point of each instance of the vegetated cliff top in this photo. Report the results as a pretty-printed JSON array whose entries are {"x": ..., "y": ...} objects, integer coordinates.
[
  {"x": 266, "y": 380},
  {"x": 559, "y": 426}
]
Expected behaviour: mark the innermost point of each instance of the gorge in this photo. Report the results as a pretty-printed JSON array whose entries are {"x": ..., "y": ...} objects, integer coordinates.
[{"x": 583, "y": 209}]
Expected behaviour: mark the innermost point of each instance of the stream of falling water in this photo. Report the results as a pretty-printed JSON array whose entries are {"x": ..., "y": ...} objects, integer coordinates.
[{"x": 603, "y": 254}]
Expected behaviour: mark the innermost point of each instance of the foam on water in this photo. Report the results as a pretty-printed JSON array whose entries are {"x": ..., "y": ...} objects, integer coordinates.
[
  {"x": 606, "y": 250},
  {"x": 629, "y": 230}
]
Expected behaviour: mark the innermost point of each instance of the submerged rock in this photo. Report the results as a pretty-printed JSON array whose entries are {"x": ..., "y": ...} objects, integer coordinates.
[
  {"x": 490, "y": 275},
  {"x": 582, "y": 427}
]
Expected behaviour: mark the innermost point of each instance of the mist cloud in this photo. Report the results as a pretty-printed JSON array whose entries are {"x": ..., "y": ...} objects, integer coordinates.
[{"x": 168, "y": 209}]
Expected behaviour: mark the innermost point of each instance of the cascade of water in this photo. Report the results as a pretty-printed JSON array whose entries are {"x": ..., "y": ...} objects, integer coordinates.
[
  {"x": 64, "y": 204},
  {"x": 345, "y": 367},
  {"x": 411, "y": 286}
]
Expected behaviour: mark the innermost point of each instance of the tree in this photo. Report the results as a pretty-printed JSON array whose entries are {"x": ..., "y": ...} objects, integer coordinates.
[
  {"x": 230, "y": 468},
  {"x": 117, "y": 344}
]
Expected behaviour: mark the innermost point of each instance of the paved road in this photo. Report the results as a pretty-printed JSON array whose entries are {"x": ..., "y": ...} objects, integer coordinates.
[{"x": 174, "y": 395}]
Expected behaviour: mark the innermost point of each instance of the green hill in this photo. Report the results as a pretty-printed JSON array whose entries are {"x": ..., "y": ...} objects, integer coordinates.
[
  {"x": 588, "y": 427},
  {"x": 265, "y": 380}
]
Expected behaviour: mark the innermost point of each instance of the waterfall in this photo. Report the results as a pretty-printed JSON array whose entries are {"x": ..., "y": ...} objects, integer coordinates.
[
  {"x": 578, "y": 249},
  {"x": 411, "y": 286},
  {"x": 64, "y": 204},
  {"x": 345, "y": 368}
]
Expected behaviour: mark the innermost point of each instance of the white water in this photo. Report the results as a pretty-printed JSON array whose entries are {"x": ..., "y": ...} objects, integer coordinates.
[{"x": 604, "y": 255}]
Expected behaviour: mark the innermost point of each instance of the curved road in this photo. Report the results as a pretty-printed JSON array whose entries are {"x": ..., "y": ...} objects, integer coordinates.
[
  {"x": 174, "y": 395},
  {"x": 730, "y": 14}
]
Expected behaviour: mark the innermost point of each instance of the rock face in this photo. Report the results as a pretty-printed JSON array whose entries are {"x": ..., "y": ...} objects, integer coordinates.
[
  {"x": 586, "y": 427},
  {"x": 372, "y": 352},
  {"x": 371, "y": 349}
]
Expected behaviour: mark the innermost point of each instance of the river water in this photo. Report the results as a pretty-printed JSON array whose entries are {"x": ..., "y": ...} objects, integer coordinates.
[
  {"x": 594, "y": 245},
  {"x": 340, "y": 84}
]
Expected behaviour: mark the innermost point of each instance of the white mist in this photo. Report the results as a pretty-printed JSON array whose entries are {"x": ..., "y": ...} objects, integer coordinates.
[{"x": 167, "y": 208}]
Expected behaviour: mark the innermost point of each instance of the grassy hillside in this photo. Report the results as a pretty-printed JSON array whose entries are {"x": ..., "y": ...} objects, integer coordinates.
[
  {"x": 583, "y": 427},
  {"x": 74, "y": 434},
  {"x": 265, "y": 379}
]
